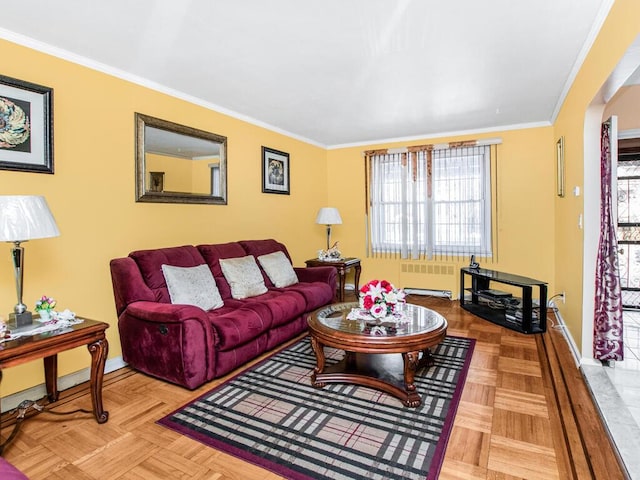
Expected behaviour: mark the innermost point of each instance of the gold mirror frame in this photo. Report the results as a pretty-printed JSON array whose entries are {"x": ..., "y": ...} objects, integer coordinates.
[{"x": 148, "y": 186}]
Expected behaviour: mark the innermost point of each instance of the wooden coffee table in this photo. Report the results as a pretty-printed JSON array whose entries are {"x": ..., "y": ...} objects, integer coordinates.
[{"x": 384, "y": 358}]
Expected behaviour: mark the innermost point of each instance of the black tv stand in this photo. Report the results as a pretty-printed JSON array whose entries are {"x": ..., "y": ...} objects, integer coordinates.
[{"x": 523, "y": 314}]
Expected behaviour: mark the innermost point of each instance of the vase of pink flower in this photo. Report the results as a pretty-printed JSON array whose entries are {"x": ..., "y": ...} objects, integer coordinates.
[
  {"x": 380, "y": 298},
  {"x": 44, "y": 307}
]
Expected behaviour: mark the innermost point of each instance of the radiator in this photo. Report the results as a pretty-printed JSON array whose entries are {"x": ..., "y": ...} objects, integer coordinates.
[{"x": 428, "y": 278}]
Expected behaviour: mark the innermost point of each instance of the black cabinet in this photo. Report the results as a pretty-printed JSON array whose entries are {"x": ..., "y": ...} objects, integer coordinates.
[{"x": 480, "y": 294}]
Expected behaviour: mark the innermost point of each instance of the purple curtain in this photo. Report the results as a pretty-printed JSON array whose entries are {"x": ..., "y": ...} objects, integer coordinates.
[{"x": 607, "y": 325}]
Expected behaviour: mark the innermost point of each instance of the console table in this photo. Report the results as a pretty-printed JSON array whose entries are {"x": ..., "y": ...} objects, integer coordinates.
[
  {"x": 343, "y": 265},
  {"x": 47, "y": 346},
  {"x": 483, "y": 299}
]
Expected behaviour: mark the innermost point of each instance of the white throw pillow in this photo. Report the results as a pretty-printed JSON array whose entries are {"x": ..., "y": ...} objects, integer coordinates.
[
  {"x": 192, "y": 286},
  {"x": 244, "y": 276},
  {"x": 278, "y": 268}
]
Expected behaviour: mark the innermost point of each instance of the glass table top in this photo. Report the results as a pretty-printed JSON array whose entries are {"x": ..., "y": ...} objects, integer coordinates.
[{"x": 415, "y": 320}]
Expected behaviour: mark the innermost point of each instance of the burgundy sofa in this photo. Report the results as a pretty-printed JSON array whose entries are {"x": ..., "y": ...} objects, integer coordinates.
[
  {"x": 9, "y": 472},
  {"x": 189, "y": 346}
]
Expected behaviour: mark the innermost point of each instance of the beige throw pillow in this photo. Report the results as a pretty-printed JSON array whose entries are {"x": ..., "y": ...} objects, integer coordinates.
[
  {"x": 244, "y": 276},
  {"x": 278, "y": 268},
  {"x": 192, "y": 286}
]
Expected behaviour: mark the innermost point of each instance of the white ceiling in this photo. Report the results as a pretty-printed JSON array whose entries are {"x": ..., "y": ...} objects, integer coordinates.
[{"x": 333, "y": 72}]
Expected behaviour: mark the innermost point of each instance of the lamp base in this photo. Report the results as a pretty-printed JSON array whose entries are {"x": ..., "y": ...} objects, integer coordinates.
[{"x": 17, "y": 320}]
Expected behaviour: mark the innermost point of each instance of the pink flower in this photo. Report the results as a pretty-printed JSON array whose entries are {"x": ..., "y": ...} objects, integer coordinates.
[{"x": 379, "y": 310}]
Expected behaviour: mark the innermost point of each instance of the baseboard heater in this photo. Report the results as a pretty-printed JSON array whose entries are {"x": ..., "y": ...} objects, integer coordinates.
[{"x": 428, "y": 292}]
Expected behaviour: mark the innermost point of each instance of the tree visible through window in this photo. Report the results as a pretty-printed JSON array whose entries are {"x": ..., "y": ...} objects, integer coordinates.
[{"x": 430, "y": 201}]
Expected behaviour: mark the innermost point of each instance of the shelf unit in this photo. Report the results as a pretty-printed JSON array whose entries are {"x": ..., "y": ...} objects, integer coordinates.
[{"x": 515, "y": 313}]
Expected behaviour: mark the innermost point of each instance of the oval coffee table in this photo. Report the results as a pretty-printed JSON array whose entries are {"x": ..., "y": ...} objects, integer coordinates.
[{"x": 381, "y": 355}]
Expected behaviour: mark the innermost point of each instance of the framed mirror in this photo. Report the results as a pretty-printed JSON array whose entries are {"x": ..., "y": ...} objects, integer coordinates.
[{"x": 179, "y": 164}]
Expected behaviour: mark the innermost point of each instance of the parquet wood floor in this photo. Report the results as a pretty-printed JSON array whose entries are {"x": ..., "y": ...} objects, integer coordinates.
[{"x": 516, "y": 420}]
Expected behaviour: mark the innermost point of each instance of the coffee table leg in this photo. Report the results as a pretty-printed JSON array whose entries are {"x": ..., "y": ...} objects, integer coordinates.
[
  {"x": 411, "y": 361},
  {"x": 319, "y": 368}
]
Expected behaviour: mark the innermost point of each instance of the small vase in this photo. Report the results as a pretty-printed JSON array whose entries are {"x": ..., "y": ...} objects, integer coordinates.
[{"x": 45, "y": 315}]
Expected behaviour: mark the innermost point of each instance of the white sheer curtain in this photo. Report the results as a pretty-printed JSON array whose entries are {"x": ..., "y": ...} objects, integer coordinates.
[{"x": 427, "y": 202}]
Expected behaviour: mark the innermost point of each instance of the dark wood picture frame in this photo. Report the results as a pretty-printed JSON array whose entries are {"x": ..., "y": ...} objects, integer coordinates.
[
  {"x": 275, "y": 171},
  {"x": 26, "y": 132}
]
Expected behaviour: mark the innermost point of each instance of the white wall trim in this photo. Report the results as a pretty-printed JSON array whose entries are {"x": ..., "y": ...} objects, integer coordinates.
[
  {"x": 567, "y": 334},
  {"x": 71, "y": 380},
  {"x": 633, "y": 133}
]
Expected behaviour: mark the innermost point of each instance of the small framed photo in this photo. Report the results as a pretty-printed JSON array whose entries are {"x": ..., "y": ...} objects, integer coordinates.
[
  {"x": 560, "y": 180},
  {"x": 26, "y": 126},
  {"x": 275, "y": 171}
]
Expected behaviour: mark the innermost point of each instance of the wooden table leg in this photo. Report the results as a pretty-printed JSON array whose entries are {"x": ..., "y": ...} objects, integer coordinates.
[
  {"x": 411, "y": 360},
  {"x": 51, "y": 377},
  {"x": 99, "y": 350},
  {"x": 320, "y": 360},
  {"x": 356, "y": 279},
  {"x": 342, "y": 273}
]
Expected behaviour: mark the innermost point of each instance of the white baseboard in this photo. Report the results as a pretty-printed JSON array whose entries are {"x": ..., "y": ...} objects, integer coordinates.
[
  {"x": 34, "y": 393},
  {"x": 577, "y": 357}
]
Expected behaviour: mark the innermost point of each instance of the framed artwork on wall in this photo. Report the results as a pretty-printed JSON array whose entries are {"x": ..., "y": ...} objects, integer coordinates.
[
  {"x": 275, "y": 171},
  {"x": 560, "y": 167},
  {"x": 26, "y": 126}
]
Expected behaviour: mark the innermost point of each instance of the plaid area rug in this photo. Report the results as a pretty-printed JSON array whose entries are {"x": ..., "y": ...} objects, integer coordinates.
[{"x": 270, "y": 415}]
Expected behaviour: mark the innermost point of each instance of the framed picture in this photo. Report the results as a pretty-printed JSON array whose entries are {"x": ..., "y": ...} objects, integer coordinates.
[
  {"x": 26, "y": 126},
  {"x": 560, "y": 167},
  {"x": 156, "y": 181},
  {"x": 275, "y": 171}
]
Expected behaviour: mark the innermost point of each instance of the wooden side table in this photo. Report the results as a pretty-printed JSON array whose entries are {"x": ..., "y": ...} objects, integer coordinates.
[
  {"x": 343, "y": 265},
  {"x": 47, "y": 346}
]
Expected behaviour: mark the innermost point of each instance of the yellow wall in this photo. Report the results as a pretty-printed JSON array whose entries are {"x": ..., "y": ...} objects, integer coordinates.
[
  {"x": 618, "y": 32},
  {"x": 525, "y": 189},
  {"x": 625, "y": 104},
  {"x": 92, "y": 195}
]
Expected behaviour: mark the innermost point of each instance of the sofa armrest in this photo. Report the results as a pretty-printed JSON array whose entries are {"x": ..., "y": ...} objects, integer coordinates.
[
  {"x": 318, "y": 274},
  {"x": 128, "y": 284},
  {"x": 165, "y": 312}
]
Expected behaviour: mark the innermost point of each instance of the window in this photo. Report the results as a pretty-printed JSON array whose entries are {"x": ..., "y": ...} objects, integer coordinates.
[{"x": 430, "y": 201}]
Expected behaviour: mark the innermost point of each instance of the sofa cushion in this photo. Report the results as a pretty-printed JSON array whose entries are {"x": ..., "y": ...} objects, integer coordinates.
[
  {"x": 150, "y": 264},
  {"x": 316, "y": 294},
  {"x": 283, "y": 304},
  {"x": 264, "y": 247},
  {"x": 238, "y": 326},
  {"x": 9, "y": 472},
  {"x": 244, "y": 276},
  {"x": 192, "y": 286},
  {"x": 278, "y": 268},
  {"x": 212, "y": 254}
]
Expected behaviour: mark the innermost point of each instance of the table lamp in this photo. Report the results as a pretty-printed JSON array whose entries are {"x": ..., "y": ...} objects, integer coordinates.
[
  {"x": 22, "y": 218},
  {"x": 328, "y": 216}
]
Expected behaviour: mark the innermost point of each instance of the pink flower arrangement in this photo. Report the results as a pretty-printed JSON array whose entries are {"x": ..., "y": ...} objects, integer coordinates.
[{"x": 380, "y": 298}]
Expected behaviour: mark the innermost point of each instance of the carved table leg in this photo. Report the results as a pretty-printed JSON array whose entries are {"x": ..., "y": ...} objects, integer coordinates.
[
  {"x": 99, "y": 350},
  {"x": 320, "y": 359},
  {"x": 51, "y": 377},
  {"x": 411, "y": 360}
]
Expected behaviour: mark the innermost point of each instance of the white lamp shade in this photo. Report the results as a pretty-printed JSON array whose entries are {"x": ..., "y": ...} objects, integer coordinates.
[
  {"x": 328, "y": 216},
  {"x": 25, "y": 217}
]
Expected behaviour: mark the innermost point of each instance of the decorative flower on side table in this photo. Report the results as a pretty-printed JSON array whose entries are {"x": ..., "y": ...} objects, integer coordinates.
[
  {"x": 380, "y": 298},
  {"x": 44, "y": 307}
]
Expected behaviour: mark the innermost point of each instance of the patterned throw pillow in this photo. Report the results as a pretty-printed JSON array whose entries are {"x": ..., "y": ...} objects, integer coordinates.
[
  {"x": 278, "y": 268},
  {"x": 192, "y": 286},
  {"x": 244, "y": 276}
]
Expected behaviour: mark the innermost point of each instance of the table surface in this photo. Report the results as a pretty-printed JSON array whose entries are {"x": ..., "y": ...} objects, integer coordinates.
[
  {"x": 334, "y": 317},
  {"x": 13, "y": 352}
]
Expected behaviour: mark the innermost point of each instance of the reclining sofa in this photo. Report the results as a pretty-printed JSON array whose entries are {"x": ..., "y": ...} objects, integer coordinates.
[{"x": 178, "y": 324}]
